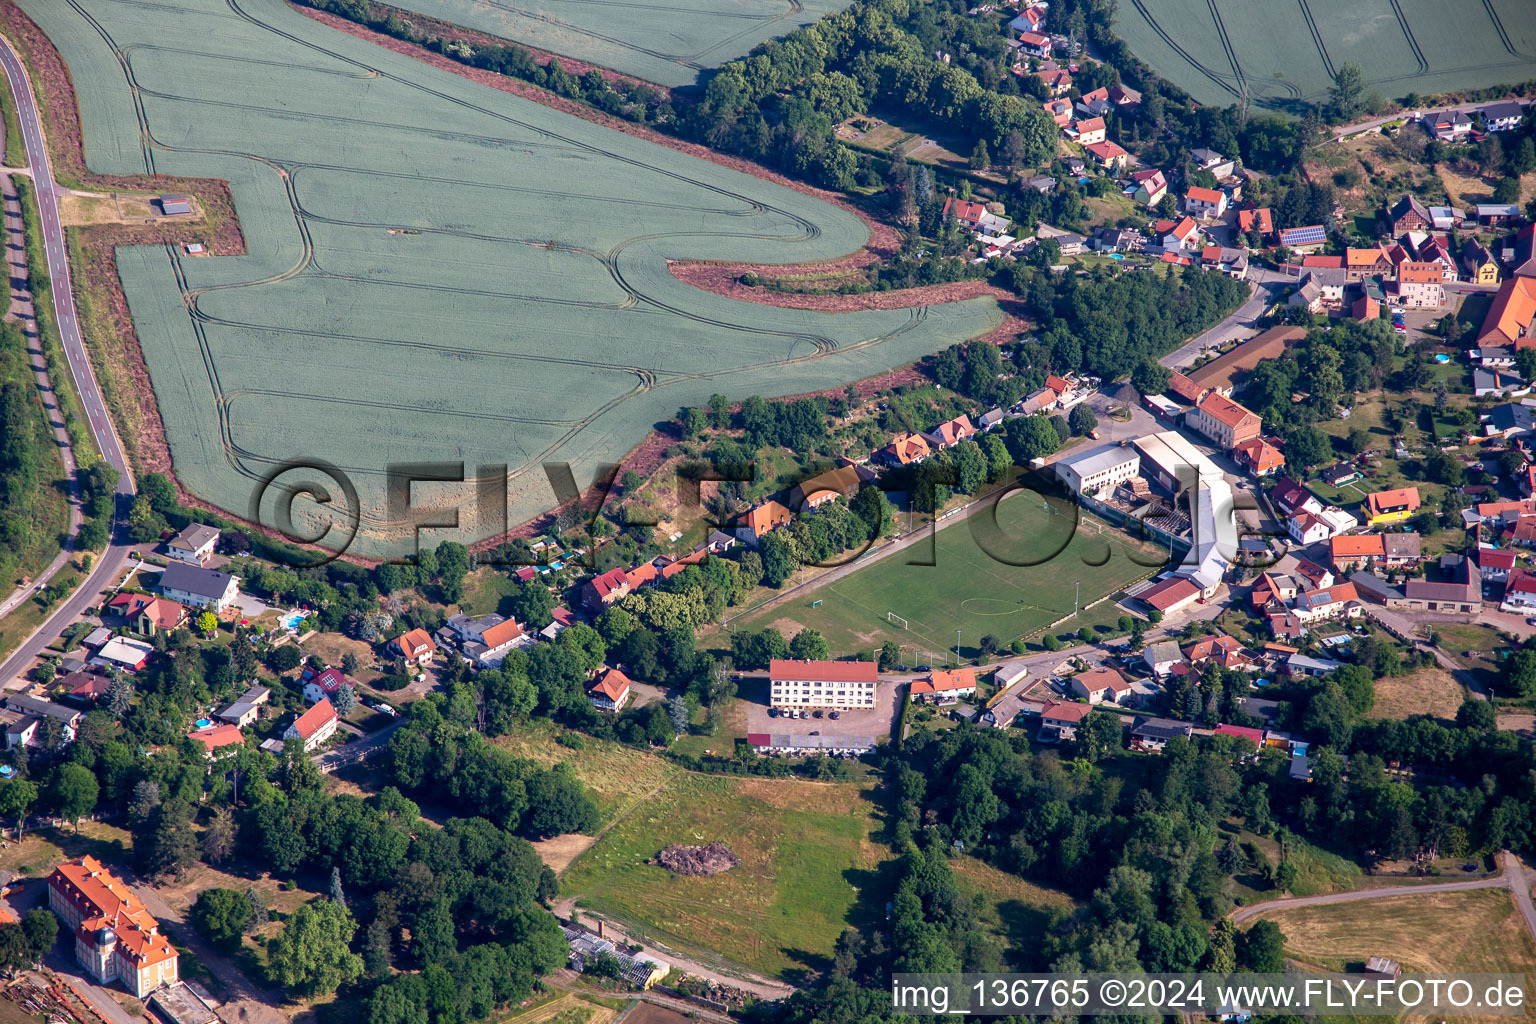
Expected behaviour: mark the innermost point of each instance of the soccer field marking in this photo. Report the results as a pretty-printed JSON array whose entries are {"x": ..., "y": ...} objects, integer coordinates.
[{"x": 878, "y": 618}]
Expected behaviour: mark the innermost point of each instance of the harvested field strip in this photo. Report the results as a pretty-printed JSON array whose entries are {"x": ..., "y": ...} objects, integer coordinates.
[{"x": 408, "y": 296}]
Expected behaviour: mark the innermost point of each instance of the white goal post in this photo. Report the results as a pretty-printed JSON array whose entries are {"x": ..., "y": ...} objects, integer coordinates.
[{"x": 895, "y": 619}]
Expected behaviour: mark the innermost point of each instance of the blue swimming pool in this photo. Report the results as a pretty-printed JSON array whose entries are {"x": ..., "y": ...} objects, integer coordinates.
[
  {"x": 1116, "y": 256},
  {"x": 292, "y": 621},
  {"x": 203, "y": 723}
]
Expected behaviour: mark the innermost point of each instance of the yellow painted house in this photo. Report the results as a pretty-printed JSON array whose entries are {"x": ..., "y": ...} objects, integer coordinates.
[
  {"x": 1391, "y": 506},
  {"x": 1479, "y": 264}
]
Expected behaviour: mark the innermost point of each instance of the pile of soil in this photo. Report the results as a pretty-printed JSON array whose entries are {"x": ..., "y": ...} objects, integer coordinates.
[{"x": 698, "y": 860}]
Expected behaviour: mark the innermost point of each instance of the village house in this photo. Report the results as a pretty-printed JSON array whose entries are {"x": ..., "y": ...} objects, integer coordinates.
[
  {"x": 1205, "y": 202},
  {"x": 844, "y": 481},
  {"x": 1232, "y": 262},
  {"x": 1099, "y": 685},
  {"x": 1210, "y": 160},
  {"x": 314, "y": 726},
  {"x": 122, "y": 652},
  {"x": 1519, "y": 591},
  {"x": 951, "y": 432},
  {"x": 1161, "y": 657},
  {"x": 1308, "y": 238},
  {"x": 1478, "y": 263},
  {"x": 606, "y": 588},
  {"x": 1351, "y": 551},
  {"x": 1362, "y": 263},
  {"x": 1173, "y": 594},
  {"x": 1420, "y": 285},
  {"x": 1151, "y": 735},
  {"x": 149, "y": 615},
  {"x": 1108, "y": 155},
  {"x": 753, "y": 525},
  {"x": 1224, "y": 421},
  {"x": 34, "y": 710},
  {"x": 414, "y": 647},
  {"x": 1447, "y": 125},
  {"x": 247, "y": 708},
  {"x": 1259, "y": 457},
  {"x": 1408, "y": 214},
  {"x": 115, "y": 938},
  {"x": 1035, "y": 44},
  {"x": 322, "y": 684},
  {"x": 975, "y": 216},
  {"x": 905, "y": 449},
  {"x": 198, "y": 587},
  {"x": 1088, "y": 131},
  {"x": 1151, "y": 186},
  {"x": 193, "y": 545},
  {"x": 1124, "y": 96},
  {"x": 611, "y": 692},
  {"x": 944, "y": 687},
  {"x": 1183, "y": 236},
  {"x": 1392, "y": 506},
  {"x": 1502, "y": 116},
  {"x": 1058, "y": 82},
  {"x": 1260, "y": 219},
  {"x": 217, "y": 738},
  {"x": 822, "y": 684},
  {"x": 1059, "y": 721},
  {"x": 1226, "y": 651},
  {"x": 1338, "y": 601},
  {"x": 1094, "y": 103}
]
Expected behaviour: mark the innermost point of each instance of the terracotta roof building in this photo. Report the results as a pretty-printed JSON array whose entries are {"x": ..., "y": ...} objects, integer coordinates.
[
  {"x": 945, "y": 685},
  {"x": 1508, "y": 321},
  {"x": 116, "y": 939},
  {"x": 1224, "y": 421},
  {"x": 822, "y": 684},
  {"x": 611, "y": 692},
  {"x": 314, "y": 726},
  {"x": 1222, "y": 372}
]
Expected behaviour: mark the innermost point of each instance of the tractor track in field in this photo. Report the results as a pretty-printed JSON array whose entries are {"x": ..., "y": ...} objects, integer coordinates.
[
  {"x": 692, "y": 62},
  {"x": 1498, "y": 26},
  {"x": 1413, "y": 43},
  {"x": 1317, "y": 37},
  {"x": 1216, "y": 79},
  {"x": 1226, "y": 45}
]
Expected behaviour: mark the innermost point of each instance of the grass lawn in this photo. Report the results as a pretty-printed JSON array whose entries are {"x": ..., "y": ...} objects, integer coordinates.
[
  {"x": 562, "y": 1008},
  {"x": 1428, "y": 691},
  {"x": 1015, "y": 911},
  {"x": 1441, "y": 933},
  {"x": 1457, "y": 638},
  {"x": 1319, "y": 871},
  {"x": 616, "y": 776},
  {"x": 806, "y": 849},
  {"x": 971, "y": 584},
  {"x": 484, "y": 590}
]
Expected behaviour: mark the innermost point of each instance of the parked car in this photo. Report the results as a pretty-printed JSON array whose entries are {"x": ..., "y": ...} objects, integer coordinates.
[{"x": 834, "y": 715}]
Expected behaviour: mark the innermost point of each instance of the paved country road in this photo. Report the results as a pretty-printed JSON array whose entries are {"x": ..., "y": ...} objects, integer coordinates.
[{"x": 48, "y": 192}]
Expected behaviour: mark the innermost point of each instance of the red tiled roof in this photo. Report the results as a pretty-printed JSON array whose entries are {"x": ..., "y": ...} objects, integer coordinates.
[
  {"x": 502, "y": 633},
  {"x": 1169, "y": 593},
  {"x": 104, "y": 901},
  {"x": 311, "y": 721},
  {"x": 1242, "y": 731},
  {"x": 218, "y": 736},
  {"x": 1064, "y": 711},
  {"x": 1380, "y": 502},
  {"x": 614, "y": 685},
  {"x": 414, "y": 641},
  {"x": 1204, "y": 195},
  {"x": 1224, "y": 410},
  {"x": 1261, "y": 218},
  {"x": 944, "y": 680},
  {"x": 610, "y": 581},
  {"x": 825, "y": 671}
]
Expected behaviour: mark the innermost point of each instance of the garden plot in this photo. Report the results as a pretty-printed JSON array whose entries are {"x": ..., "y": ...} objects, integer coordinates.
[
  {"x": 1285, "y": 55},
  {"x": 663, "y": 41},
  {"x": 436, "y": 270}
]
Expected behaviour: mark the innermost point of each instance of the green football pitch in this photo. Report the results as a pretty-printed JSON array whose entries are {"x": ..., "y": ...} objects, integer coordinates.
[
  {"x": 1285, "y": 54},
  {"x": 1008, "y": 574}
]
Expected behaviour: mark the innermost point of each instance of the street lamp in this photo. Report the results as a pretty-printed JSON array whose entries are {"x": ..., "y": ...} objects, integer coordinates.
[{"x": 957, "y": 648}]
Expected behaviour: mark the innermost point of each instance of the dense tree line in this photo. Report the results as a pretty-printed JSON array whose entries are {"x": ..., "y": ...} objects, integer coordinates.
[{"x": 1109, "y": 322}]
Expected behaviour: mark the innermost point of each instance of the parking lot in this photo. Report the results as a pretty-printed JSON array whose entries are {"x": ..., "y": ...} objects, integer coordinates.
[{"x": 877, "y": 721}]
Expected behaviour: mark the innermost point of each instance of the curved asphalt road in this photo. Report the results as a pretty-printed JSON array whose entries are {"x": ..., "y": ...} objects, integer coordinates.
[{"x": 48, "y": 191}]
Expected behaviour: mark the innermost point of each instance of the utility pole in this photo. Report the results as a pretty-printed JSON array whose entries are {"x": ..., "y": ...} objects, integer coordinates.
[
  {"x": 957, "y": 648},
  {"x": 1077, "y": 589}
]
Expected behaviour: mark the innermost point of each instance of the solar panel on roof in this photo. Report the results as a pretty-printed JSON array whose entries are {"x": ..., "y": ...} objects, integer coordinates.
[{"x": 1303, "y": 236}]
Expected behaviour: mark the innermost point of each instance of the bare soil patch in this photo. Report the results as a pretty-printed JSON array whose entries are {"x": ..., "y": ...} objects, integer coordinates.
[
  {"x": 725, "y": 279},
  {"x": 558, "y": 852},
  {"x": 698, "y": 860}
]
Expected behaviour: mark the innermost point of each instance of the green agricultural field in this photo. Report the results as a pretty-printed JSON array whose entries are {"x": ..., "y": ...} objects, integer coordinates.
[
  {"x": 663, "y": 41},
  {"x": 437, "y": 270},
  {"x": 805, "y": 850},
  {"x": 1285, "y": 54},
  {"x": 967, "y": 588}
]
